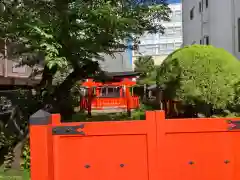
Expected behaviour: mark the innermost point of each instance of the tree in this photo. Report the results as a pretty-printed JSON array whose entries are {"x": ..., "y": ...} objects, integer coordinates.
[
  {"x": 205, "y": 77},
  {"x": 145, "y": 66},
  {"x": 71, "y": 33}
]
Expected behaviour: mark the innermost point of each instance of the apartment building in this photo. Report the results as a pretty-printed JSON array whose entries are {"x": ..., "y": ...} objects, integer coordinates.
[
  {"x": 159, "y": 46},
  {"x": 215, "y": 22}
]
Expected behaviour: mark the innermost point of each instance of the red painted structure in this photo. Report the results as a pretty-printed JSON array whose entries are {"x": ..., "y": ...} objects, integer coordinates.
[
  {"x": 115, "y": 93},
  {"x": 154, "y": 149}
]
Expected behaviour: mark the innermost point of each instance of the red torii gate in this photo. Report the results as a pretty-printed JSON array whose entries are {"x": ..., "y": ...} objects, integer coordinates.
[{"x": 112, "y": 94}]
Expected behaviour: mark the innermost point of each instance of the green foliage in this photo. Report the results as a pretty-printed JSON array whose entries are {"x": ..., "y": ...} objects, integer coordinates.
[
  {"x": 140, "y": 114},
  {"x": 7, "y": 145},
  {"x": 26, "y": 157},
  {"x": 145, "y": 65},
  {"x": 77, "y": 31},
  {"x": 19, "y": 104},
  {"x": 64, "y": 35},
  {"x": 203, "y": 76},
  {"x": 137, "y": 114}
]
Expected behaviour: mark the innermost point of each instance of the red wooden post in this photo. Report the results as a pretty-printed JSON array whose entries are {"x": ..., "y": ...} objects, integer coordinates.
[
  {"x": 90, "y": 101},
  {"x": 96, "y": 96},
  {"x": 121, "y": 92},
  {"x": 97, "y": 91},
  {"x": 128, "y": 101},
  {"x": 41, "y": 146}
]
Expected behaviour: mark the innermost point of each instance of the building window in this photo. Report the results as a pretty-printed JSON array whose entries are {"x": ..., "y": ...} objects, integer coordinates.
[
  {"x": 144, "y": 50},
  {"x": 170, "y": 46},
  {"x": 178, "y": 13},
  {"x": 166, "y": 48},
  {"x": 177, "y": 45},
  {"x": 201, "y": 41},
  {"x": 163, "y": 46},
  {"x": 192, "y": 13},
  {"x": 110, "y": 92},
  {"x": 170, "y": 31},
  {"x": 200, "y": 7},
  {"x": 206, "y": 40},
  {"x": 206, "y": 3},
  {"x": 238, "y": 34},
  {"x": 147, "y": 39},
  {"x": 177, "y": 16},
  {"x": 178, "y": 30}
]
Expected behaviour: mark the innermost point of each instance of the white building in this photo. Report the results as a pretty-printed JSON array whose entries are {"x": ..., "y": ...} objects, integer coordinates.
[
  {"x": 215, "y": 22},
  {"x": 160, "y": 45}
]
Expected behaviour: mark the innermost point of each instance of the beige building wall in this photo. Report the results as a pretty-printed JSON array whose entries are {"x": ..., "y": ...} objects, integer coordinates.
[{"x": 158, "y": 59}]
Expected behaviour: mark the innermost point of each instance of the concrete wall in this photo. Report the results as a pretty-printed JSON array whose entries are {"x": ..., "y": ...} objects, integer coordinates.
[
  {"x": 191, "y": 28},
  {"x": 120, "y": 62},
  {"x": 220, "y": 24},
  {"x": 219, "y": 21},
  {"x": 236, "y": 31}
]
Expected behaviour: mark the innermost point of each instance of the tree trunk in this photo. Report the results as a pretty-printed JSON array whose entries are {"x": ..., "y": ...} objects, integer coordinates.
[{"x": 62, "y": 98}]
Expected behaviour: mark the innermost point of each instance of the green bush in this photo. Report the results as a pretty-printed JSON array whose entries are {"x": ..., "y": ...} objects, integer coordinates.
[
  {"x": 204, "y": 77},
  {"x": 26, "y": 157},
  {"x": 7, "y": 146}
]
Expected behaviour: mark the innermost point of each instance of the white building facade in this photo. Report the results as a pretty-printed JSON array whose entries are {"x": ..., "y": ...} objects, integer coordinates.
[
  {"x": 160, "y": 45},
  {"x": 215, "y": 22}
]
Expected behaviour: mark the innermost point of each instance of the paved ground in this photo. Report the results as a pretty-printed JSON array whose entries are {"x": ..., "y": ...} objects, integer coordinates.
[{"x": 13, "y": 175}]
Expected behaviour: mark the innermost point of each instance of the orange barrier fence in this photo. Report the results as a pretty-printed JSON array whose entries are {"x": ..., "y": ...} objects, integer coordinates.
[{"x": 153, "y": 149}]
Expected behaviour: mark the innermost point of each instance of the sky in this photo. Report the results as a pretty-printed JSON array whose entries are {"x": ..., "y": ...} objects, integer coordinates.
[{"x": 173, "y": 1}]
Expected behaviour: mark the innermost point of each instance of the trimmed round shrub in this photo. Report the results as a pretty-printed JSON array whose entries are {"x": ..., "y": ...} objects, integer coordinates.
[{"x": 205, "y": 77}]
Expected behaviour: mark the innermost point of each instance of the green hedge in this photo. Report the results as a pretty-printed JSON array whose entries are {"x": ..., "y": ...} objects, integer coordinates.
[{"x": 203, "y": 76}]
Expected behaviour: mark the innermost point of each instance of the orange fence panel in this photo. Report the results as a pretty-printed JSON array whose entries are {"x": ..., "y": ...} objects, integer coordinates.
[
  {"x": 201, "y": 148},
  {"x": 99, "y": 150},
  {"x": 154, "y": 149}
]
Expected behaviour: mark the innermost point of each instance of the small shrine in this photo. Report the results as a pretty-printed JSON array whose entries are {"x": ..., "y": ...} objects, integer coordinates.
[{"x": 115, "y": 92}]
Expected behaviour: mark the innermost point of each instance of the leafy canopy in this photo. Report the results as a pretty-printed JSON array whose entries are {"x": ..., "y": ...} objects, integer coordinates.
[
  {"x": 73, "y": 32},
  {"x": 203, "y": 76},
  {"x": 69, "y": 34},
  {"x": 144, "y": 65}
]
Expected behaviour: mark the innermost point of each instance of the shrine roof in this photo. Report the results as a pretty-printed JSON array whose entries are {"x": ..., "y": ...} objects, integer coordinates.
[
  {"x": 105, "y": 75},
  {"x": 122, "y": 74}
]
